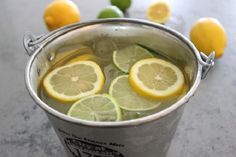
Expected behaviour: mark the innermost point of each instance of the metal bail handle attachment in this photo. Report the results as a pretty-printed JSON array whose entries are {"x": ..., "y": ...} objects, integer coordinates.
[
  {"x": 29, "y": 43},
  {"x": 207, "y": 62}
]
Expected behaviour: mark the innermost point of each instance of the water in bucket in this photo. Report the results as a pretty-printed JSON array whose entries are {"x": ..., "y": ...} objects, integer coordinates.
[{"x": 106, "y": 80}]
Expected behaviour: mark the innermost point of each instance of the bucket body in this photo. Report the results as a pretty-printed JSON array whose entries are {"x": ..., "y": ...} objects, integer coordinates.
[
  {"x": 149, "y": 136},
  {"x": 150, "y": 139}
]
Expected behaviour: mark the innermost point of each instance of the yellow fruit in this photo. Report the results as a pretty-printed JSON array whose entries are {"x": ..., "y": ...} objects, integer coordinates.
[
  {"x": 60, "y": 13},
  {"x": 156, "y": 78},
  {"x": 74, "y": 81},
  {"x": 208, "y": 35},
  {"x": 159, "y": 11},
  {"x": 83, "y": 57}
]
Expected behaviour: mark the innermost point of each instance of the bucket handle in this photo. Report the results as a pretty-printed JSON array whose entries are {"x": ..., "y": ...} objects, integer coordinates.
[
  {"x": 32, "y": 42},
  {"x": 29, "y": 43},
  {"x": 207, "y": 62}
]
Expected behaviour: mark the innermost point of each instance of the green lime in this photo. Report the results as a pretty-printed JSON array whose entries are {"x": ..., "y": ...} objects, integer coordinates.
[
  {"x": 99, "y": 107},
  {"x": 126, "y": 57},
  {"x": 122, "y": 4},
  {"x": 110, "y": 12},
  {"x": 127, "y": 98}
]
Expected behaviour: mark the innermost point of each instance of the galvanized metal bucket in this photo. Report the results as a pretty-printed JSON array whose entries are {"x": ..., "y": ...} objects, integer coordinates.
[{"x": 144, "y": 137}]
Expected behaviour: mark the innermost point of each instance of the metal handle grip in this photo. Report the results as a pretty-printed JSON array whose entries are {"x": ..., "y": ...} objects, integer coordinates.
[
  {"x": 207, "y": 62},
  {"x": 28, "y": 41},
  {"x": 31, "y": 42}
]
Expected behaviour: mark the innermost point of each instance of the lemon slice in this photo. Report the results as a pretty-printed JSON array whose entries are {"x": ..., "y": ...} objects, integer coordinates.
[
  {"x": 96, "y": 108},
  {"x": 83, "y": 57},
  {"x": 159, "y": 11},
  {"x": 127, "y": 98},
  {"x": 74, "y": 81},
  {"x": 156, "y": 78},
  {"x": 126, "y": 57}
]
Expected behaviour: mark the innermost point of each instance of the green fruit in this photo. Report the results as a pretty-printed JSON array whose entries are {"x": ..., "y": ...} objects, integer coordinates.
[
  {"x": 98, "y": 107},
  {"x": 126, "y": 57},
  {"x": 122, "y": 4},
  {"x": 127, "y": 98},
  {"x": 110, "y": 12}
]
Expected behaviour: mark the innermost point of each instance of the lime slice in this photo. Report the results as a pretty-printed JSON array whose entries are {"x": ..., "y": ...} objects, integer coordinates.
[
  {"x": 100, "y": 107},
  {"x": 74, "y": 81},
  {"x": 156, "y": 78},
  {"x": 126, "y": 57},
  {"x": 127, "y": 98}
]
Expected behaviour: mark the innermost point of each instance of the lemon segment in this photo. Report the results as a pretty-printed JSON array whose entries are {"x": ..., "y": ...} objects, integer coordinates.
[
  {"x": 156, "y": 78},
  {"x": 100, "y": 107},
  {"x": 74, "y": 81},
  {"x": 127, "y": 98},
  {"x": 83, "y": 57},
  {"x": 159, "y": 11},
  {"x": 126, "y": 57}
]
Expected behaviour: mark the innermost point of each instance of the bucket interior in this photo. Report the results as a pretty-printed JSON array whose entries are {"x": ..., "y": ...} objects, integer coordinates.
[{"x": 107, "y": 37}]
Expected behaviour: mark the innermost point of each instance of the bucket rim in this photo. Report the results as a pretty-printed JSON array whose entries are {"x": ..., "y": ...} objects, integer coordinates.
[{"x": 126, "y": 123}]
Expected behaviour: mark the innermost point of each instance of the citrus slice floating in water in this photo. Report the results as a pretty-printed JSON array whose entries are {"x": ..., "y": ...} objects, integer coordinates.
[
  {"x": 100, "y": 107},
  {"x": 74, "y": 81},
  {"x": 83, "y": 57},
  {"x": 156, "y": 78},
  {"x": 126, "y": 57},
  {"x": 127, "y": 98}
]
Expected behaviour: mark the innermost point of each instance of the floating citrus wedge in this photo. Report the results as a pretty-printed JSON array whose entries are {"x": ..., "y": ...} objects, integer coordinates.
[
  {"x": 159, "y": 11},
  {"x": 83, "y": 57},
  {"x": 156, "y": 78},
  {"x": 127, "y": 98},
  {"x": 126, "y": 57},
  {"x": 96, "y": 108},
  {"x": 74, "y": 81}
]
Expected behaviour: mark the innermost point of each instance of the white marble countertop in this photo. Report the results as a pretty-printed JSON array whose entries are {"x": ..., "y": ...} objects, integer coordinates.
[{"x": 207, "y": 128}]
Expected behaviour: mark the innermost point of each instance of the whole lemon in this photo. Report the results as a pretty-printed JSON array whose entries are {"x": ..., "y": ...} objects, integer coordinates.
[
  {"x": 208, "y": 35},
  {"x": 60, "y": 13}
]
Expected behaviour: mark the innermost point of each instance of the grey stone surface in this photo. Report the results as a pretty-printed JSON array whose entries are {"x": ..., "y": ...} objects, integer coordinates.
[{"x": 207, "y": 128}]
